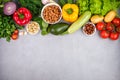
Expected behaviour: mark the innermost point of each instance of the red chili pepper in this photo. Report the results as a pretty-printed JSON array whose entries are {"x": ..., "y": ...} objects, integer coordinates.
[{"x": 22, "y": 16}]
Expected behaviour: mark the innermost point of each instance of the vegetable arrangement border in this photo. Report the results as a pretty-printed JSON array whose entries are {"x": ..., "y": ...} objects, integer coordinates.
[{"x": 30, "y": 16}]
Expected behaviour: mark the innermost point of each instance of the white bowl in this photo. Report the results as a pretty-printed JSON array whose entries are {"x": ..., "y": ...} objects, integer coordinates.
[
  {"x": 50, "y": 4},
  {"x": 85, "y": 32},
  {"x": 28, "y": 27}
]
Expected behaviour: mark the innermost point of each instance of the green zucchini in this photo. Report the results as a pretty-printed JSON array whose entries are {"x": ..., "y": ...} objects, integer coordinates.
[{"x": 80, "y": 22}]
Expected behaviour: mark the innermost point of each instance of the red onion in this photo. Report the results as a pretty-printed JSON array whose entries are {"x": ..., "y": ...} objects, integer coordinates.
[{"x": 9, "y": 8}]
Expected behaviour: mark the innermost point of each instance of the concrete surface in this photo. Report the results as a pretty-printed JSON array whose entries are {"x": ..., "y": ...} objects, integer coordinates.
[{"x": 69, "y": 57}]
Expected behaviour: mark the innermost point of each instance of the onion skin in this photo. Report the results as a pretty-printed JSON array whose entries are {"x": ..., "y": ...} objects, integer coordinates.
[{"x": 9, "y": 8}]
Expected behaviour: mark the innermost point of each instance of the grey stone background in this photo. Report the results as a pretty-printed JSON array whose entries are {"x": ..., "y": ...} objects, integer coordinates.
[{"x": 69, "y": 57}]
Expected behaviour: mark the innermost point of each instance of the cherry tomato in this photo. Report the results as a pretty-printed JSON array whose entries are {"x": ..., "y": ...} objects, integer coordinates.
[
  {"x": 100, "y": 26},
  {"x": 109, "y": 26},
  {"x": 16, "y": 31},
  {"x": 116, "y": 21},
  {"x": 14, "y": 36},
  {"x": 118, "y": 29},
  {"x": 104, "y": 34},
  {"x": 114, "y": 35}
]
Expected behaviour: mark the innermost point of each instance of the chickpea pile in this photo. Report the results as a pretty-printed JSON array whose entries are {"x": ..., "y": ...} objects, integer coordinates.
[{"x": 33, "y": 27}]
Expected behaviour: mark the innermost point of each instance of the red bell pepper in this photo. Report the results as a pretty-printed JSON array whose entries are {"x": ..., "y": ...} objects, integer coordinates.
[{"x": 22, "y": 16}]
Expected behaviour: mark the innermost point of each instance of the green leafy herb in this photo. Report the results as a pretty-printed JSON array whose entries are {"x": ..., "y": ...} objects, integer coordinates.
[
  {"x": 70, "y": 1},
  {"x": 62, "y": 2},
  {"x": 34, "y": 6},
  {"x": 7, "y": 26}
]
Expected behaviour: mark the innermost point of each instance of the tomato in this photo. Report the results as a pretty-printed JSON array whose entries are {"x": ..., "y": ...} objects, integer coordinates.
[
  {"x": 104, "y": 34},
  {"x": 14, "y": 36},
  {"x": 16, "y": 31},
  {"x": 116, "y": 21},
  {"x": 100, "y": 26},
  {"x": 118, "y": 29},
  {"x": 114, "y": 35},
  {"x": 109, "y": 26}
]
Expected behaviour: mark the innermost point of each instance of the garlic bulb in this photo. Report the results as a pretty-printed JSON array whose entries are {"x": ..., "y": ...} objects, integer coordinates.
[{"x": 46, "y": 1}]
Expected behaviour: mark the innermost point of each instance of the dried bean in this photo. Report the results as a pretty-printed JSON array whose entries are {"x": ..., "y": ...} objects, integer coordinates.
[
  {"x": 89, "y": 29},
  {"x": 51, "y": 13}
]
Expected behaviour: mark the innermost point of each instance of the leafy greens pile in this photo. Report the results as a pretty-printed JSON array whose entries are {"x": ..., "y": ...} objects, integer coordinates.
[
  {"x": 98, "y": 6},
  {"x": 34, "y": 6},
  {"x": 7, "y": 26}
]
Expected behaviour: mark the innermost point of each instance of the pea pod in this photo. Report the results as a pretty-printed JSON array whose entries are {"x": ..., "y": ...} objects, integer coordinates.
[{"x": 58, "y": 28}]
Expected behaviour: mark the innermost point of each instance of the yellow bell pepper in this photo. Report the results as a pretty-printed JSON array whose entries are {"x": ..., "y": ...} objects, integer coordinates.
[{"x": 70, "y": 12}]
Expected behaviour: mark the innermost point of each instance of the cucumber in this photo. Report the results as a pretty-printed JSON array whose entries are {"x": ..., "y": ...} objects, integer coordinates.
[
  {"x": 80, "y": 22},
  {"x": 58, "y": 28}
]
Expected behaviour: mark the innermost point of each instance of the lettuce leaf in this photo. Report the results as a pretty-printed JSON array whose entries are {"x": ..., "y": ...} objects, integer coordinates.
[
  {"x": 98, "y": 6},
  {"x": 107, "y": 6},
  {"x": 95, "y": 6},
  {"x": 84, "y": 5}
]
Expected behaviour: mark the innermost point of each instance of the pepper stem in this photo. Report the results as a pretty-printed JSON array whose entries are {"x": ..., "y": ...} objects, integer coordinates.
[
  {"x": 69, "y": 10},
  {"x": 21, "y": 15}
]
